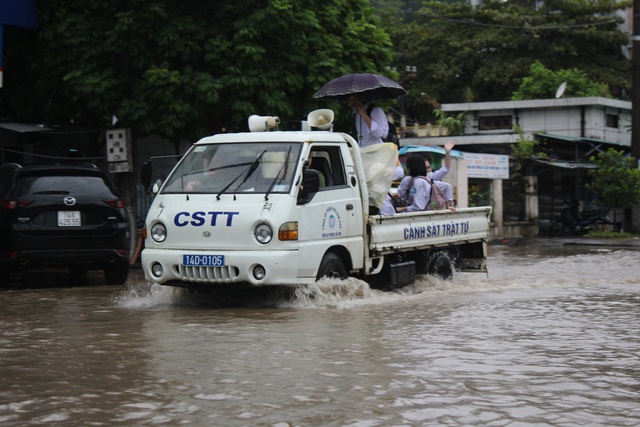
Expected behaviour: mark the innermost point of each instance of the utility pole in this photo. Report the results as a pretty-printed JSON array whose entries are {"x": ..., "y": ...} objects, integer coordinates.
[
  {"x": 635, "y": 102},
  {"x": 635, "y": 82}
]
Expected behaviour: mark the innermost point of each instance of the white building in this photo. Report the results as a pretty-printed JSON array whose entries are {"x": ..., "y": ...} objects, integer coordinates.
[{"x": 569, "y": 130}]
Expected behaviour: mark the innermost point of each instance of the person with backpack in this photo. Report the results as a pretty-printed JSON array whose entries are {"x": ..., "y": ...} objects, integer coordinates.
[
  {"x": 437, "y": 175},
  {"x": 371, "y": 123},
  {"x": 415, "y": 187}
]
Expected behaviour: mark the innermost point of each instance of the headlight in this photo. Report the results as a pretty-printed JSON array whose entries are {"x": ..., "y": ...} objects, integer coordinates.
[
  {"x": 158, "y": 232},
  {"x": 263, "y": 233}
]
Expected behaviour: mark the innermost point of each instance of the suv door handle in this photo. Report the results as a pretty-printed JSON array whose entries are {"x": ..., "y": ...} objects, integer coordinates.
[{"x": 349, "y": 206}]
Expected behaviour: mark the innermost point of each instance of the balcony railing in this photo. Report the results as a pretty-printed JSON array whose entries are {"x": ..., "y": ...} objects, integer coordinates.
[{"x": 421, "y": 131}]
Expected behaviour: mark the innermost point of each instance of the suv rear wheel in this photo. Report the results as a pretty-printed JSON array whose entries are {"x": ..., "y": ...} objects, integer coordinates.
[
  {"x": 117, "y": 273},
  {"x": 4, "y": 274}
]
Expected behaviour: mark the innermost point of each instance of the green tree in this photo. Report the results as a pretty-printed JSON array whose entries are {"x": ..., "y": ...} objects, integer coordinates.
[
  {"x": 521, "y": 152},
  {"x": 543, "y": 83},
  {"x": 465, "y": 53},
  {"x": 515, "y": 187},
  {"x": 454, "y": 125},
  {"x": 184, "y": 69},
  {"x": 616, "y": 181}
]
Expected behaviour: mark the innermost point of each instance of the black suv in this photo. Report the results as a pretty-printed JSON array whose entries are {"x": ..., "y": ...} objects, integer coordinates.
[{"x": 62, "y": 216}]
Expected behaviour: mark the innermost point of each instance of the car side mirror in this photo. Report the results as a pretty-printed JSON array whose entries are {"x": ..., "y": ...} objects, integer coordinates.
[{"x": 156, "y": 187}]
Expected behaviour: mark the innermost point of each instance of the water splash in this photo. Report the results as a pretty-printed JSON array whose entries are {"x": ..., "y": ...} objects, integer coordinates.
[
  {"x": 142, "y": 294},
  {"x": 507, "y": 270}
]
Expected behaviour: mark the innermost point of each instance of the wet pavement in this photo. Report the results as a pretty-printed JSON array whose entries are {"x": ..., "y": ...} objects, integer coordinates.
[{"x": 544, "y": 241}]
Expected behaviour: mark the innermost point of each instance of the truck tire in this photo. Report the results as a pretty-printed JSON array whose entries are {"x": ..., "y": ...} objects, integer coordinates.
[
  {"x": 441, "y": 266},
  {"x": 332, "y": 267}
]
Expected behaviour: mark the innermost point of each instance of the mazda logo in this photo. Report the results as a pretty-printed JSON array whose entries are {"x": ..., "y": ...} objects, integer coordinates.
[{"x": 69, "y": 201}]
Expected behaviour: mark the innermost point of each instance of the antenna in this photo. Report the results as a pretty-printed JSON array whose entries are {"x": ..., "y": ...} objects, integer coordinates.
[{"x": 561, "y": 89}]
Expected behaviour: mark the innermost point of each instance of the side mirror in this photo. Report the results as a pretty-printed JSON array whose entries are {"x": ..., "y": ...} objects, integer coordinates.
[
  {"x": 156, "y": 187},
  {"x": 310, "y": 186}
]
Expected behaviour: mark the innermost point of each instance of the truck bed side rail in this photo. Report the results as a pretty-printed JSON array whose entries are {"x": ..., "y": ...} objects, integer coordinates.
[{"x": 423, "y": 230}]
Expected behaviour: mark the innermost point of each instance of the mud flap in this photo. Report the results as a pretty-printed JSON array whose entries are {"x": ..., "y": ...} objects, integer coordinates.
[
  {"x": 473, "y": 257},
  {"x": 402, "y": 274}
]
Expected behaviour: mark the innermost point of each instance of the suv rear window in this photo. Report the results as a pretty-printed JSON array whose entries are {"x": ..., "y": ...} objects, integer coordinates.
[{"x": 63, "y": 184}]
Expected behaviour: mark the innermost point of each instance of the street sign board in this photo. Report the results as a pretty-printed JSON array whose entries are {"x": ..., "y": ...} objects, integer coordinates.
[{"x": 491, "y": 166}]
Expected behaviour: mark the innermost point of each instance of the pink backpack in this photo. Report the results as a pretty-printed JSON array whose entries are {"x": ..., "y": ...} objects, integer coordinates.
[{"x": 437, "y": 200}]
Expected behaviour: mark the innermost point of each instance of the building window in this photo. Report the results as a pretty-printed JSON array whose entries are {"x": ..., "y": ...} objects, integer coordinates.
[
  {"x": 495, "y": 122},
  {"x": 612, "y": 121}
]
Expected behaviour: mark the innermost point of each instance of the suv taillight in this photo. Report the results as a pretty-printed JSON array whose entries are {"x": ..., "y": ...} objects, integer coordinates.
[
  {"x": 116, "y": 203},
  {"x": 15, "y": 204}
]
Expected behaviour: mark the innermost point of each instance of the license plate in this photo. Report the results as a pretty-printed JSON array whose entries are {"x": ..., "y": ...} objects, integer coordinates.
[
  {"x": 203, "y": 260},
  {"x": 69, "y": 219}
]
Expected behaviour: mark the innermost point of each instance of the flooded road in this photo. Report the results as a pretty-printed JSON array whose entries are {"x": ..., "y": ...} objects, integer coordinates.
[{"x": 549, "y": 337}]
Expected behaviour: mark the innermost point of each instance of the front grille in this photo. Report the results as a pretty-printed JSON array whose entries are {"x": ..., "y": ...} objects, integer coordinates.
[{"x": 226, "y": 274}]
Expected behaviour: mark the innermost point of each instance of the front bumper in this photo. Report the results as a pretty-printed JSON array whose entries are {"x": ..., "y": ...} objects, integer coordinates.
[{"x": 280, "y": 267}]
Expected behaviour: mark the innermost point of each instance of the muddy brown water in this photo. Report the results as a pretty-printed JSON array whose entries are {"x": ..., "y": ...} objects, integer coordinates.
[{"x": 550, "y": 336}]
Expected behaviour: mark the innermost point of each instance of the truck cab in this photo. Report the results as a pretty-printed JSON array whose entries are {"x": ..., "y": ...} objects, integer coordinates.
[{"x": 231, "y": 210}]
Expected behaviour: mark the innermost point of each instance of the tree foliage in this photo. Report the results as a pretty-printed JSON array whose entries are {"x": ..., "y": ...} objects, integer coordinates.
[
  {"x": 184, "y": 69},
  {"x": 454, "y": 125},
  {"x": 522, "y": 152},
  {"x": 515, "y": 187},
  {"x": 542, "y": 83},
  {"x": 472, "y": 54},
  {"x": 617, "y": 179}
]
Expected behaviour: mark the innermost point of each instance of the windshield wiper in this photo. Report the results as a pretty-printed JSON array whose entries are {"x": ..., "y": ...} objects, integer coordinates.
[
  {"x": 284, "y": 174},
  {"x": 251, "y": 169},
  {"x": 199, "y": 171}
]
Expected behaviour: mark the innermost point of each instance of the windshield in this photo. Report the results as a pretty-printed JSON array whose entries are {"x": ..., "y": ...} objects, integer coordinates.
[{"x": 235, "y": 168}]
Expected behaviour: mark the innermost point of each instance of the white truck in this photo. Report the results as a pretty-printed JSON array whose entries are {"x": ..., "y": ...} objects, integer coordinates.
[{"x": 288, "y": 208}]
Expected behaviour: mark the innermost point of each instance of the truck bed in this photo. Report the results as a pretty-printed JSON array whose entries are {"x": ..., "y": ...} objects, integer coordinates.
[{"x": 422, "y": 230}]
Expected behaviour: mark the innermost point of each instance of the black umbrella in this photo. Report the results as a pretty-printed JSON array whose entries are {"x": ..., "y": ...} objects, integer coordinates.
[{"x": 374, "y": 86}]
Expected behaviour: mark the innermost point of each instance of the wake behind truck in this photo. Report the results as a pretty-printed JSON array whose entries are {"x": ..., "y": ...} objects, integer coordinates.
[{"x": 287, "y": 208}]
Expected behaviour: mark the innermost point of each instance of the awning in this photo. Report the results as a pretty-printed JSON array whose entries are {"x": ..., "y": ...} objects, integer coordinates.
[
  {"x": 24, "y": 127},
  {"x": 565, "y": 164},
  {"x": 590, "y": 141}
]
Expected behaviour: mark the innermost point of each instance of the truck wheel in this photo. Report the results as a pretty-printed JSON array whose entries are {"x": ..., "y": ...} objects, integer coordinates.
[
  {"x": 441, "y": 266},
  {"x": 116, "y": 274},
  {"x": 332, "y": 267}
]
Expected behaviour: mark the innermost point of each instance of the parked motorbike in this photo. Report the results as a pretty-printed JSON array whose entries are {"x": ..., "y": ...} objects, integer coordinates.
[{"x": 589, "y": 220}]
